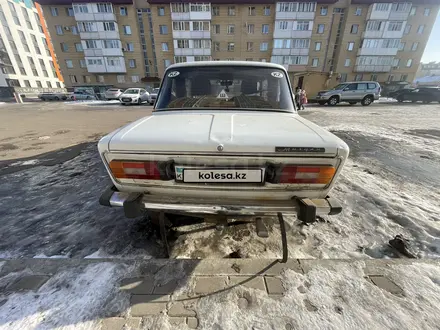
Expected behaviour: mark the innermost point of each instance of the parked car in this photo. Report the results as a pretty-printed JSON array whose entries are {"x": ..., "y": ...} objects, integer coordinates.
[
  {"x": 113, "y": 93},
  {"x": 365, "y": 92},
  {"x": 52, "y": 96},
  {"x": 153, "y": 95},
  {"x": 83, "y": 95},
  {"x": 423, "y": 94},
  {"x": 395, "y": 94},
  {"x": 134, "y": 95},
  {"x": 209, "y": 148}
]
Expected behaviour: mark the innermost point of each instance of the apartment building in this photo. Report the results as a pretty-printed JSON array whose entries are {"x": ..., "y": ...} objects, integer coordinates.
[
  {"x": 428, "y": 69},
  {"x": 27, "y": 60},
  {"x": 320, "y": 43}
]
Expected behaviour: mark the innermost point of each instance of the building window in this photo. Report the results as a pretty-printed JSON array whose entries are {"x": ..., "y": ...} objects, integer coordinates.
[
  {"x": 86, "y": 79},
  {"x": 265, "y": 29},
  {"x": 231, "y": 11},
  {"x": 179, "y": 8},
  {"x": 347, "y": 62},
  {"x": 104, "y": 8},
  {"x": 70, "y": 12},
  {"x": 231, "y": 29},
  {"x": 343, "y": 77},
  {"x": 164, "y": 46},
  {"x": 99, "y": 79},
  {"x": 354, "y": 29},
  {"x": 373, "y": 77},
  {"x": 78, "y": 47},
  {"x": 64, "y": 47},
  {"x": 382, "y": 6},
  {"x": 91, "y": 44},
  {"x": 350, "y": 46},
  {"x": 215, "y": 10},
  {"x": 129, "y": 47},
  {"x": 216, "y": 29},
  {"x": 87, "y": 27},
  {"x": 231, "y": 46},
  {"x": 183, "y": 43},
  {"x": 427, "y": 11},
  {"x": 324, "y": 10},
  {"x": 413, "y": 11},
  {"x": 179, "y": 59},
  {"x": 161, "y": 11},
  {"x": 414, "y": 46},
  {"x": 111, "y": 43},
  {"x": 163, "y": 29},
  {"x": 73, "y": 79},
  {"x": 166, "y": 63},
  {"x": 264, "y": 46},
  {"x": 135, "y": 79},
  {"x": 59, "y": 29},
  {"x": 251, "y": 11},
  {"x": 358, "y": 11},
  {"x": 80, "y": 8},
  {"x": 305, "y": 25},
  {"x": 123, "y": 11},
  {"x": 58, "y": 84},
  {"x": 39, "y": 84},
  {"x": 69, "y": 64},
  {"x": 420, "y": 29},
  {"x": 132, "y": 63},
  {"x": 27, "y": 83},
  {"x": 249, "y": 46},
  {"x": 404, "y": 77},
  {"x": 113, "y": 61},
  {"x": 74, "y": 29},
  {"x": 200, "y": 26},
  {"x": 82, "y": 63},
  {"x": 402, "y": 46},
  {"x": 127, "y": 29},
  {"x": 390, "y": 78},
  {"x": 120, "y": 79},
  {"x": 266, "y": 10},
  {"x": 396, "y": 62},
  {"x": 395, "y": 26},
  {"x": 358, "y": 77},
  {"x": 282, "y": 25},
  {"x": 250, "y": 28},
  {"x": 318, "y": 46},
  {"x": 315, "y": 62},
  {"x": 54, "y": 11},
  {"x": 409, "y": 63}
]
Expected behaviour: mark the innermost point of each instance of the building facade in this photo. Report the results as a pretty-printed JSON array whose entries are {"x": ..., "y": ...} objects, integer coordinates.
[
  {"x": 28, "y": 62},
  {"x": 131, "y": 42}
]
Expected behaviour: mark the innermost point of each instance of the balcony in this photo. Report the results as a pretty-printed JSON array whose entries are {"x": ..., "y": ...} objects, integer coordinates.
[
  {"x": 191, "y": 34},
  {"x": 399, "y": 15},
  {"x": 288, "y": 34},
  {"x": 379, "y": 14},
  {"x": 103, "y": 52},
  {"x": 99, "y": 35},
  {"x": 95, "y": 17},
  {"x": 290, "y": 51},
  {"x": 192, "y": 51},
  {"x": 372, "y": 34},
  {"x": 377, "y": 51},
  {"x": 394, "y": 34},
  {"x": 192, "y": 16},
  {"x": 372, "y": 68},
  {"x": 284, "y": 15}
]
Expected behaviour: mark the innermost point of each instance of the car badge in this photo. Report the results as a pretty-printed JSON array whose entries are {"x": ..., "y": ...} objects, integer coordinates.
[{"x": 220, "y": 147}]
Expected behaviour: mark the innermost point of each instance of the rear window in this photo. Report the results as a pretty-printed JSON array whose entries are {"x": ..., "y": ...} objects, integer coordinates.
[
  {"x": 225, "y": 87},
  {"x": 372, "y": 86},
  {"x": 361, "y": 86}
]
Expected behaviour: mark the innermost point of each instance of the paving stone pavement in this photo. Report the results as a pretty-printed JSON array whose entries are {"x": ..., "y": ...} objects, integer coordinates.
[{"x": 174, "y": 288}]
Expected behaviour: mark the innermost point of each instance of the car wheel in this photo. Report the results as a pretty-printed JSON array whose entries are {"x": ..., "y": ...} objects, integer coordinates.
[
  {"x": 367, "y": 100},
  {"x": 139, "y": 102},
  {"x": 88, "y": 98},
  {"x": 333, "y": 101},
  {"x": 56, "y": 98},
  {"x": 399, "y": 99},
  {"x": 352, "y": 103},
  {"x": 322, "y": 102}
]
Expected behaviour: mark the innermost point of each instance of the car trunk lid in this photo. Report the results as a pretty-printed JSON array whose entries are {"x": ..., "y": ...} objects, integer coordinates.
[{"x": 227, "y": 132}]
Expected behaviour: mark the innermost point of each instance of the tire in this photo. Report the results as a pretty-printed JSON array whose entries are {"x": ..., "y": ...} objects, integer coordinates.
[
  {"x": 139, "y": 102},
  {"x": 333, "y": 101},
  {"x": 56, "y": 98},
  {"x": 367, "y": 100},
  {"x": 43, "y": 99},
  {"x": 413, "y": 101},
  {"x": 399, "y": 99},
  {"x": 88, "y": 98},
  {"x": 352, "y": 103},
  {"x": 322, "y": 102}
]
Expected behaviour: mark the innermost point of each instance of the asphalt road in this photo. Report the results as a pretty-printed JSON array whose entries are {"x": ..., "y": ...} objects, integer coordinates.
[{"x": 49, "y": 201}]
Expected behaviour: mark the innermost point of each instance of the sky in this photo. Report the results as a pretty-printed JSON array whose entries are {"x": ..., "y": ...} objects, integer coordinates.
[{"x": 432, "y": 50}]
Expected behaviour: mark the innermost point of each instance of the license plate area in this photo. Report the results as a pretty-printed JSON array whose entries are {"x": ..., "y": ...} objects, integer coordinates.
[{"x": 234, "y": 175}]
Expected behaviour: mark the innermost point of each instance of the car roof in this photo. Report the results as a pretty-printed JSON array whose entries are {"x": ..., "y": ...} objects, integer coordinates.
[
  {"x": 226, "y": 63},
  {"x": 361, "y": 82}
]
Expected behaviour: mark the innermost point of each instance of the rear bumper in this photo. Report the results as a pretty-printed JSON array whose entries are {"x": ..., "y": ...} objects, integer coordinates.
[{"x": 134, "y": 203}]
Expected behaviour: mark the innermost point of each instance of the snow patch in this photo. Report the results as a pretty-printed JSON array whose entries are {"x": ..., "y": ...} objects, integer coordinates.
[
  {"x": 69, "y": 300},
  {"x": 97, "y": 255},
  {"x": 26, "y": 162},
  {"x": 43, "y": 256},
  {"x": 96, "y": 102}
]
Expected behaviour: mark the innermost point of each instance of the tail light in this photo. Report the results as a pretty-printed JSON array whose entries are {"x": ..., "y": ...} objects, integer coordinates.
[
  {"x": 307, "y": 174},
  {"x": 135, "y": 170}
]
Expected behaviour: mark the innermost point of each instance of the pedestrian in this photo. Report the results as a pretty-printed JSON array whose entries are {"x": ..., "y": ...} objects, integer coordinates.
[
  {"x": 302, "y": 99},
  {"x": 298, "y": 96}
]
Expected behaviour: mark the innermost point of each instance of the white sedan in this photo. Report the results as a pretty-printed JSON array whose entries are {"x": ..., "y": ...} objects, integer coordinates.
[
  {"x": 224, "y": 140},
  {"x": 134, "y": 96}
]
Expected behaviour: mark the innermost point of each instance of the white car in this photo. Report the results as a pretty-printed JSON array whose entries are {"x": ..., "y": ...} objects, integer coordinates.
[
  {"x": 113, "y": 93},
  {"x": 134, "y": 96},
  {"x": 224, "y": 140}
]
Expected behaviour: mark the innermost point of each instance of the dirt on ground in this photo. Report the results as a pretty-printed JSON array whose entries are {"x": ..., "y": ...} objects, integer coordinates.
[{"x": 34, "y": 128}]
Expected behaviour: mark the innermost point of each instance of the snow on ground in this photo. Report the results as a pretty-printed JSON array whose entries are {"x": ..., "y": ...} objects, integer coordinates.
[
  {"x": 74, "y": 299},
  {"x": 335, "y": 296},
  {"x": 94, "y": 102}
]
